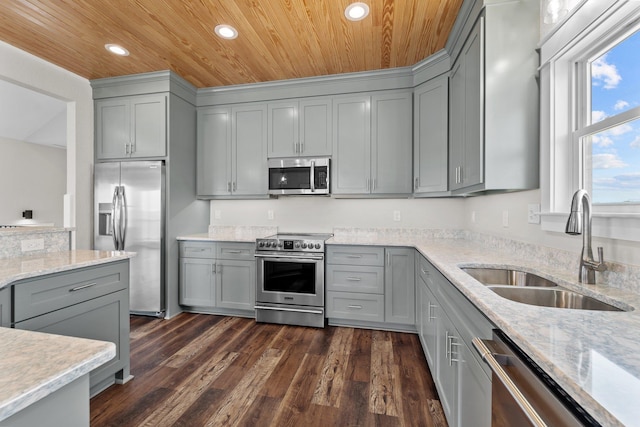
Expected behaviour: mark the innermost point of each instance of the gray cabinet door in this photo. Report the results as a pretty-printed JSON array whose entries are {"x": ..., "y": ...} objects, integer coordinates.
[
  {"x": 474, "y": 390},
  {"x": 430, "y": 132},
  {"x": 351, "y": 167},
  {"x": 5, "y": 307},
  {"x": 149, "y": 126},
  {"x": 466, "y": 119},
  {"x": 134, "y": 126},
  {"x": 236, "y": 284},
  {"x": 105, "y": 318},
  {"x": 113, "y": 133},
  {"x": 399, "y": 282},
  {"x": 391, "y": 143},
  {"x": 197, "y": 282},
  {"x": 446, "y": 375},
  {"x": 283, "y": 133},
  {"x": 315, "y": 126},
  {"x": 249, "y": 150},
  {"x": 427, "y": 326},
  {"x": 214, "y": 151}
]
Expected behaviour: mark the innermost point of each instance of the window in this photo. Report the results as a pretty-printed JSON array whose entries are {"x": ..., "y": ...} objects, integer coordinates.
[
  {"x": 610, "y": 135},
  {"x": 590, "y": 116}
]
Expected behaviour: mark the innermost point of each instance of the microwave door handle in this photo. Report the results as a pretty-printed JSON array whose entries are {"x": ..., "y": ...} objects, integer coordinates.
[{"x": 313, "y": 176}]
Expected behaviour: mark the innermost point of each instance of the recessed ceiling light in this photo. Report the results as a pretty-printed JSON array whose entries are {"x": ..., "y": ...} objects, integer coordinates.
[
  {"x": 116, "y": 49},
  {"x": 226, "y": 32},
  {"x": 356, "y": 11}
]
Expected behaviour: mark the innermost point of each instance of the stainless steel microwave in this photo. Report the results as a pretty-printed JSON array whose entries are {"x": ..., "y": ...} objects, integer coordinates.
[{"x": 295, "y": 176}]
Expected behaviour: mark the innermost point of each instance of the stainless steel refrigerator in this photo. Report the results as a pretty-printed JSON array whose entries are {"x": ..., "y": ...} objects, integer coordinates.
[{"x": 129, "y": 205}]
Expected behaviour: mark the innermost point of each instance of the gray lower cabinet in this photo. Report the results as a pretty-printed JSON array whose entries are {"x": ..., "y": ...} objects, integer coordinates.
[
  {"x": 91, "y": 302},
  {"x": 218, "y": 277},
  {"x": 5, "y": 307},
  {"x": 232, "y": 151},
  {"x": 372, "y": 144},
  {"x": 131, "y": 127},
  {"x": 446, "y": 323},
  {"x": 370, "y": 284}
]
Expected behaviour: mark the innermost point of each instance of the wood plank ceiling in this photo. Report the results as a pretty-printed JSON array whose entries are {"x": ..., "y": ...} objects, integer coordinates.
[{"x": 278, "y": 39}]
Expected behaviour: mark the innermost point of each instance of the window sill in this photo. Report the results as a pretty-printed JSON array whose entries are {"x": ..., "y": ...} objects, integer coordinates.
[{"x": 625, "y": 226}]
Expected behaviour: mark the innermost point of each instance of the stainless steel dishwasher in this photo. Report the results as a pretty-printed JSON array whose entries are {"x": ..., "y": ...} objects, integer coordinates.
[{"x": 522, "y": 394}]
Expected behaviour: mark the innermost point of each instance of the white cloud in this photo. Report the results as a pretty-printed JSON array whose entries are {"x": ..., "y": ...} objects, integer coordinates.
[
  {"x": 620, "y": 129},
  {"x": 603, "y": 72},
  {"x": 628, "y": 181},
  {"x": 621, "y": 105},
  {"x": 635, "y": 143},
  {"x": 601, "y": 140},
  {"x": 607, "y": 161},
  {"x": 598, "y": 116}
]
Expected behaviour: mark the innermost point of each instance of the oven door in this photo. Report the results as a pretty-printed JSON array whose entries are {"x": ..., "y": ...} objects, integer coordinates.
[{"x": 295, "y": 279}]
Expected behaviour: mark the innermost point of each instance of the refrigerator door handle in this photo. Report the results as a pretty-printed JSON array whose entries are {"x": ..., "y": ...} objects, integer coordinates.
[
  {"x": 123, "y": 218},
  {"x": 114, "y": 218}
]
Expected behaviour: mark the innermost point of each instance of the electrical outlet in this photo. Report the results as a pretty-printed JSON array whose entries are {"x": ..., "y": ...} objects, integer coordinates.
[
  {"x": 217, "y": 214},
  {"x": 32, "y": 245},
  {"x": 505, "y": 219},
  {"x": 396, "y": 215},
  {"x": 533, "y": 213},
  {"x": 270, "y": 214}
]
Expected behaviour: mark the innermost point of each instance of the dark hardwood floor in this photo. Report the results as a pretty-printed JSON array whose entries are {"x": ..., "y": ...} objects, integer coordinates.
[{"x": 204, "y": 370}]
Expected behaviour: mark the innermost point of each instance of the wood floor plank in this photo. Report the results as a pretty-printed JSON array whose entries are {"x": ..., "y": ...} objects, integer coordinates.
[
  {"x": 332, "y": 378},
  {"x": 197, "y": 369},
  {"x": 241, "y": 397},
  {"x": 384, "y": 392}
]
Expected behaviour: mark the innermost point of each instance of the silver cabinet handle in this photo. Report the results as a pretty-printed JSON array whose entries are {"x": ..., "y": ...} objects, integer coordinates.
[
  {"x": 229, "y": 186},
  {"x": 415, "y": 185},
  {"x": 79, "y": 288},
  {"x": 504, "y": 378},
  {"x": 234, "y": 186},
  {"x": 213, "y": 269},
  {"x": 126, "y": 148},
  {"x": 425, "y": 272},
  {"x": 354, "y": 279},
  {"x": 389, "y": 259},
  {"x": 355, "y": 307},
  {"x": 354, "y": 256},
  {"x": 430, "y": 307},
  {"x": 233, "y": 251}
]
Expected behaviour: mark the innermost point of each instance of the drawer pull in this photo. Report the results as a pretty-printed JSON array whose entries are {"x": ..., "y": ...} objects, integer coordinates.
[
  {"x": 355, "y": 307},
  {"x": 425, "y": 272},
  {"x": 79, "y": 288},
  {"x": 195, "y": 249},
  {"x": 354, "y": 256},
  {"x": 354, "y": 279},
  {"x": 235, "y": 251}
]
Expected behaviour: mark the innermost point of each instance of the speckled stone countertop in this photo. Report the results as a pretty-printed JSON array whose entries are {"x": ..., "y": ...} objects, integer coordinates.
[
  {"x": 24, "y": 267},
  {"x": 593, "y": 355},
  {"x": 34, "y": 365},
  {"x": 232, "y": 234}
]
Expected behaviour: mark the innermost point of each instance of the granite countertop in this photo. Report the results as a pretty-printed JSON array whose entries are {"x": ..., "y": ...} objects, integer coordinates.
[
  {"x": 34, "y": 365},
  {"x": 232, "y": 234},
  {"x": 24, "y": 267},
  {"x": 593, "y": 355}
]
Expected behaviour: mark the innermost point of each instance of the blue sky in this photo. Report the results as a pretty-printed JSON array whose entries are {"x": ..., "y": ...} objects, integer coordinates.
[{"x": 616, "y": 152}]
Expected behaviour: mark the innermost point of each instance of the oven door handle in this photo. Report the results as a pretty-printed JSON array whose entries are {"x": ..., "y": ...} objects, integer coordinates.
[
  {"x": 298, "y": 258},
  {"x": 505, "y": 379},
  {"x": 295, "y": 310}
]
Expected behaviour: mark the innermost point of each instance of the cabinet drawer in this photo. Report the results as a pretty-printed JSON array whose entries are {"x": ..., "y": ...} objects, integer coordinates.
[
  {"x": 53, "y": 292},
  {"x": 352, "y": 278},
  {"x": 189, "y": 249},
  {"x": 353, "y": 306},
  {"x": 238, "y": 251},
  {"x": 355, "y": 255}
]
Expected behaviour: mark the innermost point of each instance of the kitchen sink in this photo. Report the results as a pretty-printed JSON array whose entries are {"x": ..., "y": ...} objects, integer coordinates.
[
  {"x": 506, "y": 276},
  {"x": 549, "y": 297}
]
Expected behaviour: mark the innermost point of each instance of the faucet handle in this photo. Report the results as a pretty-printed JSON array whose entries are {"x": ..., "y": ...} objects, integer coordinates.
[{"x": 601, "y": 264}]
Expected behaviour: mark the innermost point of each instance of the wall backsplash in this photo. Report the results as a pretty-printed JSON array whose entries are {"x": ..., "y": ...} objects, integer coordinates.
[{"x": 54, "y": 239}]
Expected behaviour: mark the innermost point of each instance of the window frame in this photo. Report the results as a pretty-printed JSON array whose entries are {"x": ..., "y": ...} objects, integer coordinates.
[{"x": 591, "y": 27}]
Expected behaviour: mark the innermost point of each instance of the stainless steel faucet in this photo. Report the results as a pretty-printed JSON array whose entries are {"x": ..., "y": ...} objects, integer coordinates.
[{"x": 579, "y": 218}]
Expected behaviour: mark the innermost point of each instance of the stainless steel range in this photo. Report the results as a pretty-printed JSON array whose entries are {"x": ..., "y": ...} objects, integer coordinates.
[{"x": 290, "y": 279}]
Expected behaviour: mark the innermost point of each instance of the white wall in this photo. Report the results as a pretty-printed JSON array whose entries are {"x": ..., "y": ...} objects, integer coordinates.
[
  {"x": 488, "y": 214},
  {"x": 25, "y": 69},
  {"x": 33, "y": 177},
  {"x": 320, "y": 214}
]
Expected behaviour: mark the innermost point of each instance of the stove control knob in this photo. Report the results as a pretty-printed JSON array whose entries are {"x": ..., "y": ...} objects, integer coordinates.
[
  {"x": 318, "y": 245},
  {"x": 270, "y": 244},
  {"x": 297, "y": 244},
  {"x": 279, "y": 244},
  {"x": 304, "y": 245},
  {"x": 261, "y": 244}
]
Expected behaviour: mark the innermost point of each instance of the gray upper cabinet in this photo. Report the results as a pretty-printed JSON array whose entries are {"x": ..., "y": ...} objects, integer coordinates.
[
  {"x": 131, "y": 127},
  {"x": 232, "y": 151},
  {"x": 300, "y": 127},
  {"x": 430, "y": 130},
  {"x": 493, "y": 107},
  {"x": 372, "y": 144}
]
